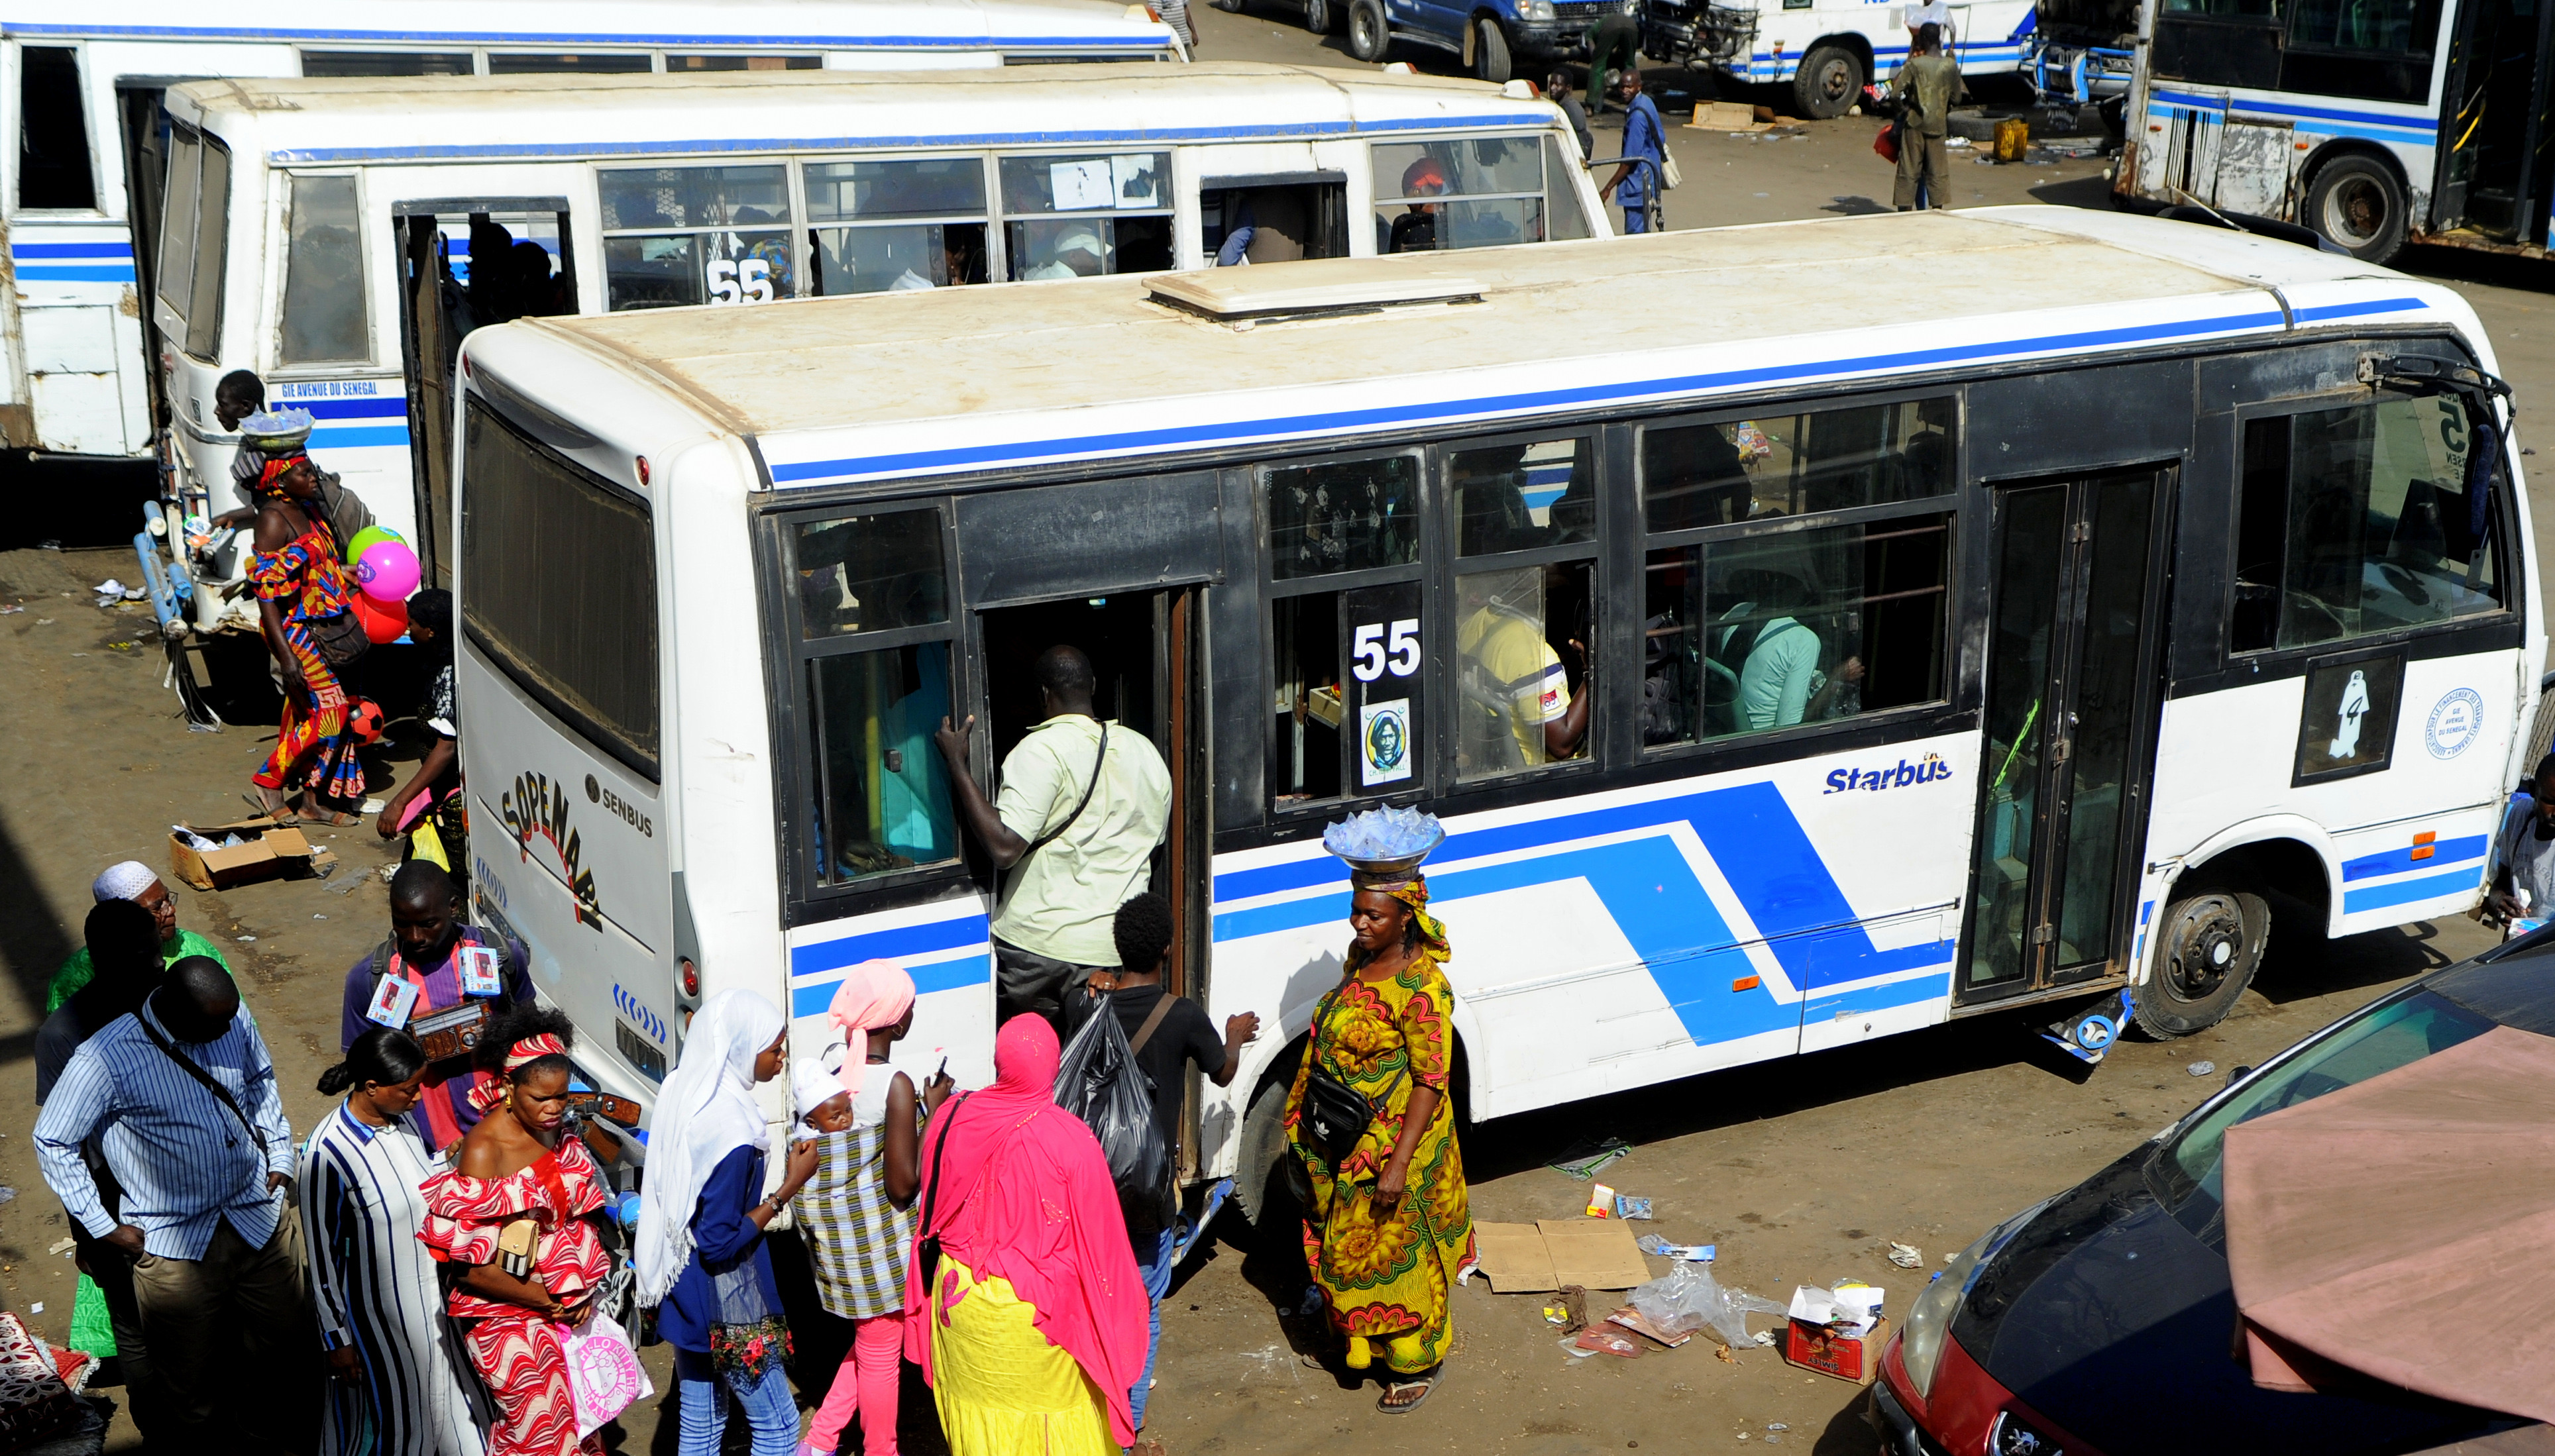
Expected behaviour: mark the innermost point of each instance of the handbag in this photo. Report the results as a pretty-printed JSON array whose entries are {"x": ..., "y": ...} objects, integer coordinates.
[
  {"x": 1670, "y": 177},
  {"x": 1336, "y": 1115},
  {"x": 603, "y": 1372},
  {"x": 340, "y": 638},
  {"x": 1885, "y": 141},
  {"x": 926, "y": 1246}
]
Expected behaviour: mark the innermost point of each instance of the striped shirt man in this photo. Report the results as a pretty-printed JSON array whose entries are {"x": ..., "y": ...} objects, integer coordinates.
[{"x": 185, "y": 1164}]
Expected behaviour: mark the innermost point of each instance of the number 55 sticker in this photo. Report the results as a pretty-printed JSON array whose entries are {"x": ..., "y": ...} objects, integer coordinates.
[
  {"x": 1374, "y": 655},
  {"x": 744, "y": 281}
]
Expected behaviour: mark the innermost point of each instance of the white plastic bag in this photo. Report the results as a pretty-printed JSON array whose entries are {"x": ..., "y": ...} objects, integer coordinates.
[
  {"x": 1687, "y": 1297},
  {"x": 603, "y": 1372}
]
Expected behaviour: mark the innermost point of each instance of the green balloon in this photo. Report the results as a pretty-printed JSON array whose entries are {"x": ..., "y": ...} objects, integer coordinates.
[{"x": 366, "y": 538}]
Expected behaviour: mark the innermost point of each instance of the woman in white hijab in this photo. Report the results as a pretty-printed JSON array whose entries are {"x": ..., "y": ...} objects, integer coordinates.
[{"x": 700, "y": 1259}]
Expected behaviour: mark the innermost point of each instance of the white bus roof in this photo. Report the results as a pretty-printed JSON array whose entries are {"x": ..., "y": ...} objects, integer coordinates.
[
  {"x": 547, "y": 117},
  {"x": 892, "y": 386},
  {"x": 832, "y": 25}
]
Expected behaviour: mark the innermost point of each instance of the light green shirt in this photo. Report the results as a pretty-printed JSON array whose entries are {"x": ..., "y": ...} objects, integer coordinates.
[
  {"x": 1060, "y": 903},
  {"x": 77, "y": 972}
]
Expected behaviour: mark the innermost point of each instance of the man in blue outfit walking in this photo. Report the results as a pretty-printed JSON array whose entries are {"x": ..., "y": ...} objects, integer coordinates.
[{"x": 1644, "y": 135}]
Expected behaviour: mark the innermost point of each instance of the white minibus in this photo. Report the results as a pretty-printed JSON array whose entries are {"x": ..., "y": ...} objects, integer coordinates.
[
  {"x": 1827, "y": 51},
  {"x": 316, "y": 220},
  {"x": 80, "y": 100},
  {"x": 2029, "y": 649}
]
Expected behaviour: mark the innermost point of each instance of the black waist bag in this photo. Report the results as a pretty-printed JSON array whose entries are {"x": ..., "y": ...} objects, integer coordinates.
[{"x": 1335, "y": 1115}]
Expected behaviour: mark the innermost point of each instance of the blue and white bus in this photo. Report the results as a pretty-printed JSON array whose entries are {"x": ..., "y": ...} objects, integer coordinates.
[
  {"x": 80, "y": 102},
  {"x": 1828, "y": 50},
  {"x": 317, "y": 230},
  {"x": 2028, "y": 649},
  {"x": 2375, "y": 125}
]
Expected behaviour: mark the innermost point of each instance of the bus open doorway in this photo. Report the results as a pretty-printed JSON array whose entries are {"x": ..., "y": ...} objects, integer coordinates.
[{"x": 2494, "y": 130}]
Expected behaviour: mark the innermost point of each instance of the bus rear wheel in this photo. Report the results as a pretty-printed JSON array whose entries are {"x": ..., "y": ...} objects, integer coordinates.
[
  {"x": 2358, "y": 204},
  {"x": 1829, "y": 83},
  {"x": 1319, "y": 17},
  {"x": 1369, "y": 37},
  {"x": 2209, "y": 943},
  {"x": 1260, "y": 1182}
]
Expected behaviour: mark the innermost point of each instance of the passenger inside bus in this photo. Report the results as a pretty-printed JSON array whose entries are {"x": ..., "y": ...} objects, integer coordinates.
[
  {"x": 1518, "y": 710},
  {"x": 1415, "y": 231},
  {"x": 1763, "y": 667}
]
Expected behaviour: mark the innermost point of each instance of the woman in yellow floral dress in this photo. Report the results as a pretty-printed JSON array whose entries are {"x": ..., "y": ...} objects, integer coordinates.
[{"x": 1388, "y": 1230}]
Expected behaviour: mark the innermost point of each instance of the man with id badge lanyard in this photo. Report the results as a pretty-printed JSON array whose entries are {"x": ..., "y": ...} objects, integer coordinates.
[{"x": 439, "y": 980}]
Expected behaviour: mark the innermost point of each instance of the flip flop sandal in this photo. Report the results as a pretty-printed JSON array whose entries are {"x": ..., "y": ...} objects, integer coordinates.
[
  {"x": 1425, "y": 1384},
  {"x": 282, "y": 812}
]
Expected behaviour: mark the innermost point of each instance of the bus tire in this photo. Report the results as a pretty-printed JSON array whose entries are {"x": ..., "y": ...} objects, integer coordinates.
[
  {"x": 1319, "y": 17},
  {"x": 2208, "y": 942},
  {"x": 1491, "y": 52},
  {"x": 2358, "y": 204},
  {"x": 1259, "y": 1168},
  {"x": 1829, "y": 83},
  {"x": 1369, "y": 35}
]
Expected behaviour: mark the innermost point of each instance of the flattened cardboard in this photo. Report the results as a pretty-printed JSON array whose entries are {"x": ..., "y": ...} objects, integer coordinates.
[
  {"x": 1514, "y": 1257},
  {"x": 1594, "y": 1253}
]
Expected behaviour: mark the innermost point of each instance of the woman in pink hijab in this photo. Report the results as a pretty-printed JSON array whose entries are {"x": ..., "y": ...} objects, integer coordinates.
[{"x": 1031, "y": 1329}]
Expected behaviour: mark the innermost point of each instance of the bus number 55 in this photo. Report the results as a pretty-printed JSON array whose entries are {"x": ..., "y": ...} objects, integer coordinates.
[
  {"x": 744, "y": 281},
  {"x": 1371, "y": 651}
]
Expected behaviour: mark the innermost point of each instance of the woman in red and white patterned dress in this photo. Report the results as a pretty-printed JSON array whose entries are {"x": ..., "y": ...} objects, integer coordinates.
[{"x": 514, "y": 1168}]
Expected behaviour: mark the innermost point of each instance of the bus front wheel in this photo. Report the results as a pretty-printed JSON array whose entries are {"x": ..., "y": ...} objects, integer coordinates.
[
  {"x": 2358, "y": 204},
  {"x": 1829, "y": 83},
  {"x": 1319, "y": 17},
  {"x": 2209, "y": 943},
  {"x": 1260, "y": 1183},
  {"x": 1369, "y": 37}
]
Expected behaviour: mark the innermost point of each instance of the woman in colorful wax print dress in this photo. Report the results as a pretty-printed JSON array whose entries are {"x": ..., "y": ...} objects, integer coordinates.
[
  {"x": 393, "y": 1388},
  {"x": 1388, "y": 1230},
  {"x": 518, "y": 1167},
  {"x": 305, "y": 608},
  {"x": 703, "y": 1261}
]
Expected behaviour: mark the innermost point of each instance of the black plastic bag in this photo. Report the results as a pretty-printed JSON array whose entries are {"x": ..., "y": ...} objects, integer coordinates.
[{"x": 1098, "y": 1081}]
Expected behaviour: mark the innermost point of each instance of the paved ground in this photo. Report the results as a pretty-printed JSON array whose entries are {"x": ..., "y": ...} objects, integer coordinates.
[{"x": 1802, "y": 1172}]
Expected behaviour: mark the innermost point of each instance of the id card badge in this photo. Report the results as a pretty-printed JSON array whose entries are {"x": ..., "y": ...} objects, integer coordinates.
[
  {"x": 479, "y": 965},
  {"x": 393, "y": 999}
]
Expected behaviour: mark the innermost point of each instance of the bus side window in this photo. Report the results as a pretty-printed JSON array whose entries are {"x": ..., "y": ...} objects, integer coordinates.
[
  {"x": 1525, "y": 623},
  {"x": 1562, "y": 196},
  {"x": 200, "y": 239},
  {"x": 1461, "y": 192},
  {"x": 874, "y": 642},
  {"x": 175, "y": 273},
  {"x": 53, "y": 131},
  {"x": 1083, "y": 216},
  {"x": 1752, "y": 630},
  {"x": 683, "y": 235},
  {"x": 1358, "y": 520},
  {"x": 896, "y": 226},
  {"x": 2361, "y": 520},
  {"x": 324, "y": 318}
]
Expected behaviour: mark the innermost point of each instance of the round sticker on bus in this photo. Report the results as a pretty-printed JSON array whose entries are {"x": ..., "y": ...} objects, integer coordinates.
[{"x": 2455, "y": 719}]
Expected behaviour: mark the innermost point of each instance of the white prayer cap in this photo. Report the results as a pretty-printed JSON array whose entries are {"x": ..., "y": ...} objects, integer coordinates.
[
  {"x": 125, "y": 881},
  {"x": 810, "y": 1087}
]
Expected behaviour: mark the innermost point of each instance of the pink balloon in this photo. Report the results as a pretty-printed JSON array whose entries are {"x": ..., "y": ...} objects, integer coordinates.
[{"x": 388, "y": 571}]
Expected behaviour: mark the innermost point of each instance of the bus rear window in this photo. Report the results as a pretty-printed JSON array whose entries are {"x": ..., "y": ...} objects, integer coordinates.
[
  {"x": 559, "y": 586},
  {"x": 323, "y": 274}
]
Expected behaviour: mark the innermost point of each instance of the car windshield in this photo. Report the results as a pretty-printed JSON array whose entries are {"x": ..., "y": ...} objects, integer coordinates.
[{"x": 2402, "y": 1032}]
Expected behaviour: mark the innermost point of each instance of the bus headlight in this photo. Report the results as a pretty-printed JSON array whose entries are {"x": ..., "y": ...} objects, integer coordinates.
[{"x": 1929, "y": 1317}]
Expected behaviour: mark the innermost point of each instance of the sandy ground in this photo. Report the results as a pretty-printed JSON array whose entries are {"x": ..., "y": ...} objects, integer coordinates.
[{"x": 1801, "y": 1172}]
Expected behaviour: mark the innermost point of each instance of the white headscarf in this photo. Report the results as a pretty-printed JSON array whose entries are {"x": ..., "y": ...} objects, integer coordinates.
[
  {"x": 707, "y": 1110},
  {"x": 128, "y": 879}
]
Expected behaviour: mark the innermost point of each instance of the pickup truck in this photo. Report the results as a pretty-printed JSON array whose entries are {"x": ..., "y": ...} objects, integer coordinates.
[{"x": 1494, "y": 37}]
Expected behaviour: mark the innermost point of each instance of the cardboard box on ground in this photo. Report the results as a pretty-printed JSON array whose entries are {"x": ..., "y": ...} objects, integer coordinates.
[{"x": 266, "y": 851}]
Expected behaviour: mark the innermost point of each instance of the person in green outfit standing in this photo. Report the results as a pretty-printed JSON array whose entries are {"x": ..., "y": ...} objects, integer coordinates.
[
  {"x": 131, "y": 880},
  {"x": 1929, "y": 87}
]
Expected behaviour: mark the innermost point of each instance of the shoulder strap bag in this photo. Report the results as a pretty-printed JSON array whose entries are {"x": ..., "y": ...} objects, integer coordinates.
[
  {"x": 927, "y": 1247},
  {"x": 1050, "y": 836},
  {"x": 205, "y": 1078},
  {"x": 1336, "y": 1114}
]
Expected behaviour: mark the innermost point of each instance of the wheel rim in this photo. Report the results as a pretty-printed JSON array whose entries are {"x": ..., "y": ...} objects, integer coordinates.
[
  {"x": 1364, "y": 26},
  {"x": 2355, "y": 212},
  {"x": 2208, "y": 950},
  {"x": 1836, "y": 78}
]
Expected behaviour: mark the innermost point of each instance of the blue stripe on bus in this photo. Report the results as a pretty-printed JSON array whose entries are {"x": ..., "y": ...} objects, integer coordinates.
[
  {"x": 2442, "y": 854},
  {"x": 954, "y": 975},
  {"x": 2403, "y": 892},
  {"x": 357, "y": 436},
  {"x": 1650, "y": 894},
  {"x": 76, "y": 272},
  {"x": 1089, "y": 137},
  {"x": 808, "y": 471},
  {"x": 572, "y": 38},
  {"x": 70, "y": 250},
  {"x": 819, "y": 956},
  {"x": 2415, "y": 128},
  {"x": 350, "y": 407}
]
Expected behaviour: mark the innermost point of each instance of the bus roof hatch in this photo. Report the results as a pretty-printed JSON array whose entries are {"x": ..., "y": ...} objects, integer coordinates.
[{"x": 1314, "y": 289}]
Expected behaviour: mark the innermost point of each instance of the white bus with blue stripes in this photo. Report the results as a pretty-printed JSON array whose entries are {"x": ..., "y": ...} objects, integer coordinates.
[
  {"x": 315, "y": 228},
  {"x": 2027, "y": 652},
  {"x": 1828, "y": 52},
  {"x": 80, "y": 102},
  {"x": 2374, "y": 125}
]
